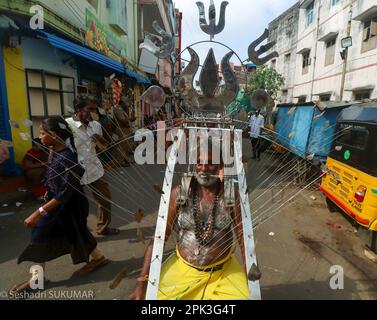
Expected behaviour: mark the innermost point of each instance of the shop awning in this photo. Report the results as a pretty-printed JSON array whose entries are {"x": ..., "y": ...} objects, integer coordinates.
[
  {"x": 93, "y": 56},
  {"x": 138, "y": 77}
]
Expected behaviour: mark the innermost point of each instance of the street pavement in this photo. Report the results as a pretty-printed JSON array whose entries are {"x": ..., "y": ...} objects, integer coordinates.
[{"x": 296, "y": 248}]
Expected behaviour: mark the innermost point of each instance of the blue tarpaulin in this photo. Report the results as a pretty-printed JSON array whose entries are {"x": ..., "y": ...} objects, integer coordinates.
[
  {"x": 293, "y": 127},
  {"x": 308, "y": 129}
]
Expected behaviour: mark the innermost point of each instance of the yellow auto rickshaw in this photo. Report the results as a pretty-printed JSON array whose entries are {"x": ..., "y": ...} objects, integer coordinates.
[{"x": 350, "y": 177}]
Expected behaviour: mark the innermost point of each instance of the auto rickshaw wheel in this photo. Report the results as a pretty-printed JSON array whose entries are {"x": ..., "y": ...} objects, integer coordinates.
[{"x": 331, "y": 205}]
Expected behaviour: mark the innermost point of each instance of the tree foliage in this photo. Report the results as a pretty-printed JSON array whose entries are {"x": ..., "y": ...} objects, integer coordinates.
[{"x": 266, "y": 78}]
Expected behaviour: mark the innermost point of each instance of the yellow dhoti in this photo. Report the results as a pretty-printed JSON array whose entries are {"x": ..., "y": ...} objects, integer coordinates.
[{"x": 182, "y": 281}]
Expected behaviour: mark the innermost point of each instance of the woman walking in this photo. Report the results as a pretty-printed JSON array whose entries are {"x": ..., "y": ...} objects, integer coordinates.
[{"x": 59, "y": 227}]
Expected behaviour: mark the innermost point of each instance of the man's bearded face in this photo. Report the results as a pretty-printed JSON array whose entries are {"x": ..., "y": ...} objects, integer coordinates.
[{"x": 207, "y": 174}]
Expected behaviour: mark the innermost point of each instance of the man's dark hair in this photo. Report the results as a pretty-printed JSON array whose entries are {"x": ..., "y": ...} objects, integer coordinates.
[
  {"x": 82, "y": 101},
  {"x": 60, "y": 127}
]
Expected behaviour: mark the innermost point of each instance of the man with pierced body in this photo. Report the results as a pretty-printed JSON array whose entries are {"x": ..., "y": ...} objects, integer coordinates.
[{"x": 203, "y": 266}]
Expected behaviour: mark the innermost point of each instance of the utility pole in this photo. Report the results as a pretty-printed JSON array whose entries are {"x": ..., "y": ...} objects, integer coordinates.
[{"x": 342, "y": 82}]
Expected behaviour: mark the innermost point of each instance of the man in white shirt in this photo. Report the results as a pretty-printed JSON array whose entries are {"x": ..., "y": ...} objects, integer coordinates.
[
  {"x": 88, "y": 134},
  {"x": 256, "y": 124}
]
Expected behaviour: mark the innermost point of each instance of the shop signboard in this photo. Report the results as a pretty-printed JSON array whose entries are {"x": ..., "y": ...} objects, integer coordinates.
[{"x": 102, "y": 39}]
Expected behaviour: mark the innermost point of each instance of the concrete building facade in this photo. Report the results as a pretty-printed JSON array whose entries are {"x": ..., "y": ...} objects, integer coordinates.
[
  {"x": 284, "y": 31},
  {"x": 323, "y": 69},
  {"x": 43, "y": 69}
]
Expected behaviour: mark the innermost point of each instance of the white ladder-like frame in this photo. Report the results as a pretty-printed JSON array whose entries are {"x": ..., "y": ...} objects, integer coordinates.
[
  {"x": 247, "y": 224},
  {"x": 162, "y": 219},
  {"x": 159, "y": 238}
]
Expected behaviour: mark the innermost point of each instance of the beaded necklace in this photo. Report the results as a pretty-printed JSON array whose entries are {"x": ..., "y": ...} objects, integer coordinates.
[{"x": 204, "y": 229}]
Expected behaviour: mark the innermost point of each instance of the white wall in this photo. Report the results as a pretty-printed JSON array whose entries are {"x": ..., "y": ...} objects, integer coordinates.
[
  {"x": 362, "y": 67},
  {"x": 286, "y": 43},
  {"x": 333, "y": 19},
  {"x": 306, "y": 40},
  {"x": 39, "y": 54},
  {"x": 74, "y": 11}
]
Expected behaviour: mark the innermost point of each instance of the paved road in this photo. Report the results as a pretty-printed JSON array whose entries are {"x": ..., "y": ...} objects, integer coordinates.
[{"x": 296, "y": 247}]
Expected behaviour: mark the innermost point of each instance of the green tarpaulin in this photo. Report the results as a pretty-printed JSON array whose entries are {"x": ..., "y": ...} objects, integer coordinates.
[{"x": 240, "y": 104}]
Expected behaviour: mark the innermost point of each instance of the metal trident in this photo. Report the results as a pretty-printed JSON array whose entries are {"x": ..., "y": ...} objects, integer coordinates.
[
  {"x": 211, "y": 28},
  {"x": 254, "y": 56}
]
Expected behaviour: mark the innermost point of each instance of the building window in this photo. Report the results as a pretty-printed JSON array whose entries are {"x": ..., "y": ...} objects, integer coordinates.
[
  {"x": 287, "y": 58},
  {"x": 94, "y": 4},
  {"x": 325, "y": 97},
  {"x": 369, "y": 35},
  {"x": 334, "y": 2},
  {"x": 330, "y": 52},
  {"x": 309, "y": 14},
  {"x": 48, "y": 95},
  {"x": 305, "y": 62},
  {"x": 273, "y": 64},
  {"x": 289, "y": 27},
  {"x": 117, "y": 16},
  {"x": 362, "y": 95},
  {"x": 301, "y": 99}
]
